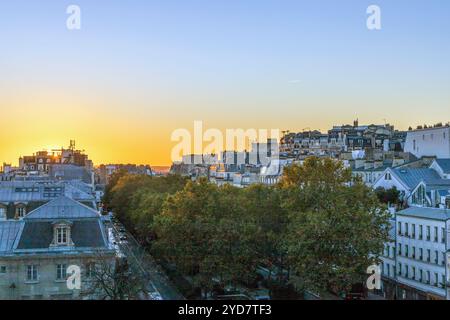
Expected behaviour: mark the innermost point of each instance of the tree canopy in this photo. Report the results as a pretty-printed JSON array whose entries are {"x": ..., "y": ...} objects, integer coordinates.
[{"x": 318, "y": 228}]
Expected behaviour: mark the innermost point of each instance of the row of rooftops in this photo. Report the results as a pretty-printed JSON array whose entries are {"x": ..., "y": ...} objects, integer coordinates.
[{"x": 28, "y": 191}]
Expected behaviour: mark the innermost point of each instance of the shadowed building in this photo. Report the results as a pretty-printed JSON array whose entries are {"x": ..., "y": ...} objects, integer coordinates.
[{"x": 36, "y": 251}]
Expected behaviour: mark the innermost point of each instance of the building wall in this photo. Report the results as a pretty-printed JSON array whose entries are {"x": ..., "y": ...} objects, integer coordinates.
[
  {"x": 389, "y": 183},
  {"x": 409, "y": 284},
  {"x": 429, "y": 142},
  {"x": 47, "y": 286}
]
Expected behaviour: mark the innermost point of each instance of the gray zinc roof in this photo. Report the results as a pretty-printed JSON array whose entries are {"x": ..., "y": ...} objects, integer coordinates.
[
  {"x": 413, "y": 176},
  {"x": 9, "y": 233},
  {"x": 444, "y": 164},
  {"x": 62, "y": 208},
  {"x": 84, "y": 234},
  {"x": 427, "y": 213}
]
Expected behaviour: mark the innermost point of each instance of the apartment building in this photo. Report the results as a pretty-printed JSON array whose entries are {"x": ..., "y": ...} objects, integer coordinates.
[
  {"x": 415, "y": 264},
  {"x": 36, "y": 251}
]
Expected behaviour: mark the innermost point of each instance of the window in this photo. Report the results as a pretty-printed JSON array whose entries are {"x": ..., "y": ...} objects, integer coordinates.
[
  {"x": 32, "y": 273},
  {"x": 399, "y": 249},
  {"x": 61, "y": 235},
  {"x": 420, "y": 254},
  {"x": 429, "y": 255},
  {"x": 90, "y": 269},
  {"x": 443, "y": 281},
  {"x": 2, "y": 212},
  {"x": 428, "y": 280},
  {"x": 420, "y": 275},
  {"x": 413, "y": 275},
  {"x": 399, "y": 228},
  {"x": 61, "y": 272},
  {"x": 413, "y": 231},
  {"x": 443, "y": 235},
  {"x": 399, "y": 269},
  {"x": 436, "y": 279},
  {"x": 406, "y": 250},
  {"x": 413, "y": 252},
  {"x": 406, "y": 229},
  {"x": 420, "y": 232},
  {"x": 435, "y": 234},
  {"x": 428, "y": 233},
  {"x": 20, "y": 211},
  {"x": 436, "y": 257},
  {"x": 406, "y": 272},
  {"x": 2, "y": 269},
  {"x": 443, "y": 259}
]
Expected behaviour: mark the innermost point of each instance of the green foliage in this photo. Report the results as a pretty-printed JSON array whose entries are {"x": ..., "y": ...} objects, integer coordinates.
[
  {"x": 389, "y": 196},
  {"x": 337, "y": 226},
  {"x": 317, "y": 229},
  {"x": 204, "y": 231}
]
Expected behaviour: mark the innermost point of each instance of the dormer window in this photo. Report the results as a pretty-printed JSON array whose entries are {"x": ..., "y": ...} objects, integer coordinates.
[
  {"x": 62, "y": 236},
  {"x": 21, "y": 211}
]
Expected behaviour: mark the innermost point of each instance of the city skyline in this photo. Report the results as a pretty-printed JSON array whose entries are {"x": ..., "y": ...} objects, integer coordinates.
[{"x": 135, "y": 73}]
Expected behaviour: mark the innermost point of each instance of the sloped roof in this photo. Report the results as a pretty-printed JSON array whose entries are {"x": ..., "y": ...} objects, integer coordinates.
[
  {"x": 413, "y": 176},
  {"x": 9, "y": 233},
  {"x": 73, "y": 192},
  {"x": 444, "y": 164},
  {"x": 427, "y": 213},
  {"x": 10, "y": 191},
  {"x": 62, "y": 208},
  {"x": 84, "y": 234},
  {"x": 69, "y": 172}
]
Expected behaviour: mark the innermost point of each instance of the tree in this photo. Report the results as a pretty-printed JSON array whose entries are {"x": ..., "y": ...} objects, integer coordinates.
[
  {"x": 337, "y": 225},
  {"x": 389, "y": 196},
  {"x": 203, "y": 230},
  {"x": 114, "y": 179},
  {"x": 114, "y": 281},
  {"x": 262, "y": 204},
  {"x": 129, "y": 191}
]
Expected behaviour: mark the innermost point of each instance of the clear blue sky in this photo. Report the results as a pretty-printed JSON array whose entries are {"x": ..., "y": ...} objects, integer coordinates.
[{"x": 232, "y": 63}]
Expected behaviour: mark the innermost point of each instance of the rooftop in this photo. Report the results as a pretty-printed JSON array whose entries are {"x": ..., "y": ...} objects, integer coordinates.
[
  {"x": 427, "y": 213},
  {"x": 413, "y": 176},
  {"x": 444, "y": 164},
  {"x": 62, "y": 208}
]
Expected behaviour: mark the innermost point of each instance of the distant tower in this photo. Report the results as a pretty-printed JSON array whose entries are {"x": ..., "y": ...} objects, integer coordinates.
[
  {"x": 72, "y": 145},
  {"x": 356, "y": 123}
]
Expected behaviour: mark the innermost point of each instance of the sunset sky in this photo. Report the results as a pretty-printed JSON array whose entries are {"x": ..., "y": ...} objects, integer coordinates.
[{"x": 138, "y": 70}]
